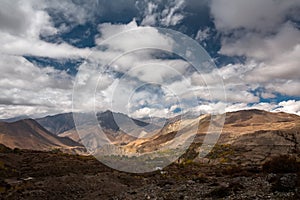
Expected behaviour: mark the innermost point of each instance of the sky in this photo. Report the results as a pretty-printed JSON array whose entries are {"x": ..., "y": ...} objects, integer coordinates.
[{"x": 49, "y": 48}]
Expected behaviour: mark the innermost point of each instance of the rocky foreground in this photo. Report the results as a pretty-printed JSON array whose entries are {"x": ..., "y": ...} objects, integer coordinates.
[{"x": 28, "y": 174}]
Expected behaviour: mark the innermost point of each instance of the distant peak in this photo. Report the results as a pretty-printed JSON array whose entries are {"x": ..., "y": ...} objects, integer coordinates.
[
  {"x": 107, "y": 111},
  {"x": 257, "y": 111}
]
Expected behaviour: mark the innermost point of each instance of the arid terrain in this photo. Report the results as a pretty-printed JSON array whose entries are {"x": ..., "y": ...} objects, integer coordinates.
[
  {"x": 149, "y": 99},
  {"x": 55, "y": 175},
  {"x": 256, "y": 157}
]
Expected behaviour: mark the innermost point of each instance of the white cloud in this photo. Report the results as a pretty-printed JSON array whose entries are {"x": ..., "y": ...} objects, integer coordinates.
[
  {"x": 130, "y": 37},
  {"x": 152, "y": 112},
  {"x": 159, "y": 71},
  {"x": 284, "y": 66},
  {"x": 20, "y": 18},
  {"x": 262, "y": 47},
  {"x": 130, "y": 50},
  {"x": 151, "y": 15},
  {"x": 244, "y": 106},
  {"x": 170, "y": 15},
  {"x": 108, "y": 30},
  {"x": 21, "y": 35},
  {"x": 25, "y": 86},
  {"x": 28, "y": 46},
  {"x": 286, "y": 87},
  {"x": 165, "y": 13},
  {"x": 255, "y": 29},
  {"x": 212, "y": 108},
  {"x": 290, "y": 106},
  {"x": 263, "y": 33},
  {"x": 71, "y": 10},
  {"x": 52, "y": 89},
  {"x": 256, "y": 15},
  {"x": 267, "y": 95},
  {"x": 203, "y": 34},
  {"x": 10, "y": 111}
]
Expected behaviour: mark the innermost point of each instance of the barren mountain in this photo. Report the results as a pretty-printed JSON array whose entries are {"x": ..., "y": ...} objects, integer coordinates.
[
  {"x": 254, "y": 130},
  {"x": 116, "y": 126},
  {"x": 251, "y": 135},
  {"x": 57, "y": 124},
  {"x": 28, "y": 134}
]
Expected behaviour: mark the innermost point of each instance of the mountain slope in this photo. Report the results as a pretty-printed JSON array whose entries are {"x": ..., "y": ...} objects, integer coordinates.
[
  {"x": 63, "y": 124},
  {"x": 118, "y": 127},
  {"x": 57, "y": 124},
  {"x": 255, "y": 133},
  {"x": 252, "y": 135},
  {"x": 28, "y": 134}
]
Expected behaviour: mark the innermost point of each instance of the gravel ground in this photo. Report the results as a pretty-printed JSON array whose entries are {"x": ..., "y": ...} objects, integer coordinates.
[{"x": 40, "y": 175}]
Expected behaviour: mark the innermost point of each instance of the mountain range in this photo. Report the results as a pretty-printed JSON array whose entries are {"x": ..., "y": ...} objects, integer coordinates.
[{"x": 247, "y": 134}]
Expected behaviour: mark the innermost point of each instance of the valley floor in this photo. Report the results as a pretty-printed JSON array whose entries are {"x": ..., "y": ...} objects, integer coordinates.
[{"x": 54, "y": 175}]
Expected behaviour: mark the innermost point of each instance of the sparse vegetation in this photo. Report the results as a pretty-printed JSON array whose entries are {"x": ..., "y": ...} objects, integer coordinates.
[
  {"x": 232, "y": 170},
  {"x": 79, "y": 176},
  {"x": 56, "y": 151},
  {"x": 221, "y": 151},
  {"x": 220, "y": 192},
  {"x": 282, "y": 164}
]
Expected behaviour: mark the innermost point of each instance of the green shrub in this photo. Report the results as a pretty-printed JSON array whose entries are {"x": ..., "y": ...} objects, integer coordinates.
[{"x": 221, "y": 151}]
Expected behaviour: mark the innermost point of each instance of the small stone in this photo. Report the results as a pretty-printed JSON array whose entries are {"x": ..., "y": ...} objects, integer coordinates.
[
  {"x": 191, "y": 182},
  {"x": 289, "y": 181}
]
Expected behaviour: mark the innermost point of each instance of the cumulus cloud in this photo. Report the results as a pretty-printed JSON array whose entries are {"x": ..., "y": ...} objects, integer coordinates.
[
  {"x": 129, "y": 55},
  {"x": 151, "y": 112},
  {"x": 262, "y": 32},
  {"x": 165, "y": 71},
  {"x": 262, "y": 47},
  {"x": 20, "y": 18},
  {"x": 257, "y": 29},
  {"x": 167, "y": 13},
  {"x": 290, "y": 106},
  {"x": 285, "y": 87},
  {"x": 170, "y": 15},
  {"x": 130, "y": 36},
  {"x": 203, "y": 34},
  {"x": 265, "y": 34},
  {"x": 284, "y": 66},
  {"x": 25, "y": 86},
  {"x": 150, "y": 14},
  {"x": 21, "y": 35},
  {"x": 256, "y": 15}
]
